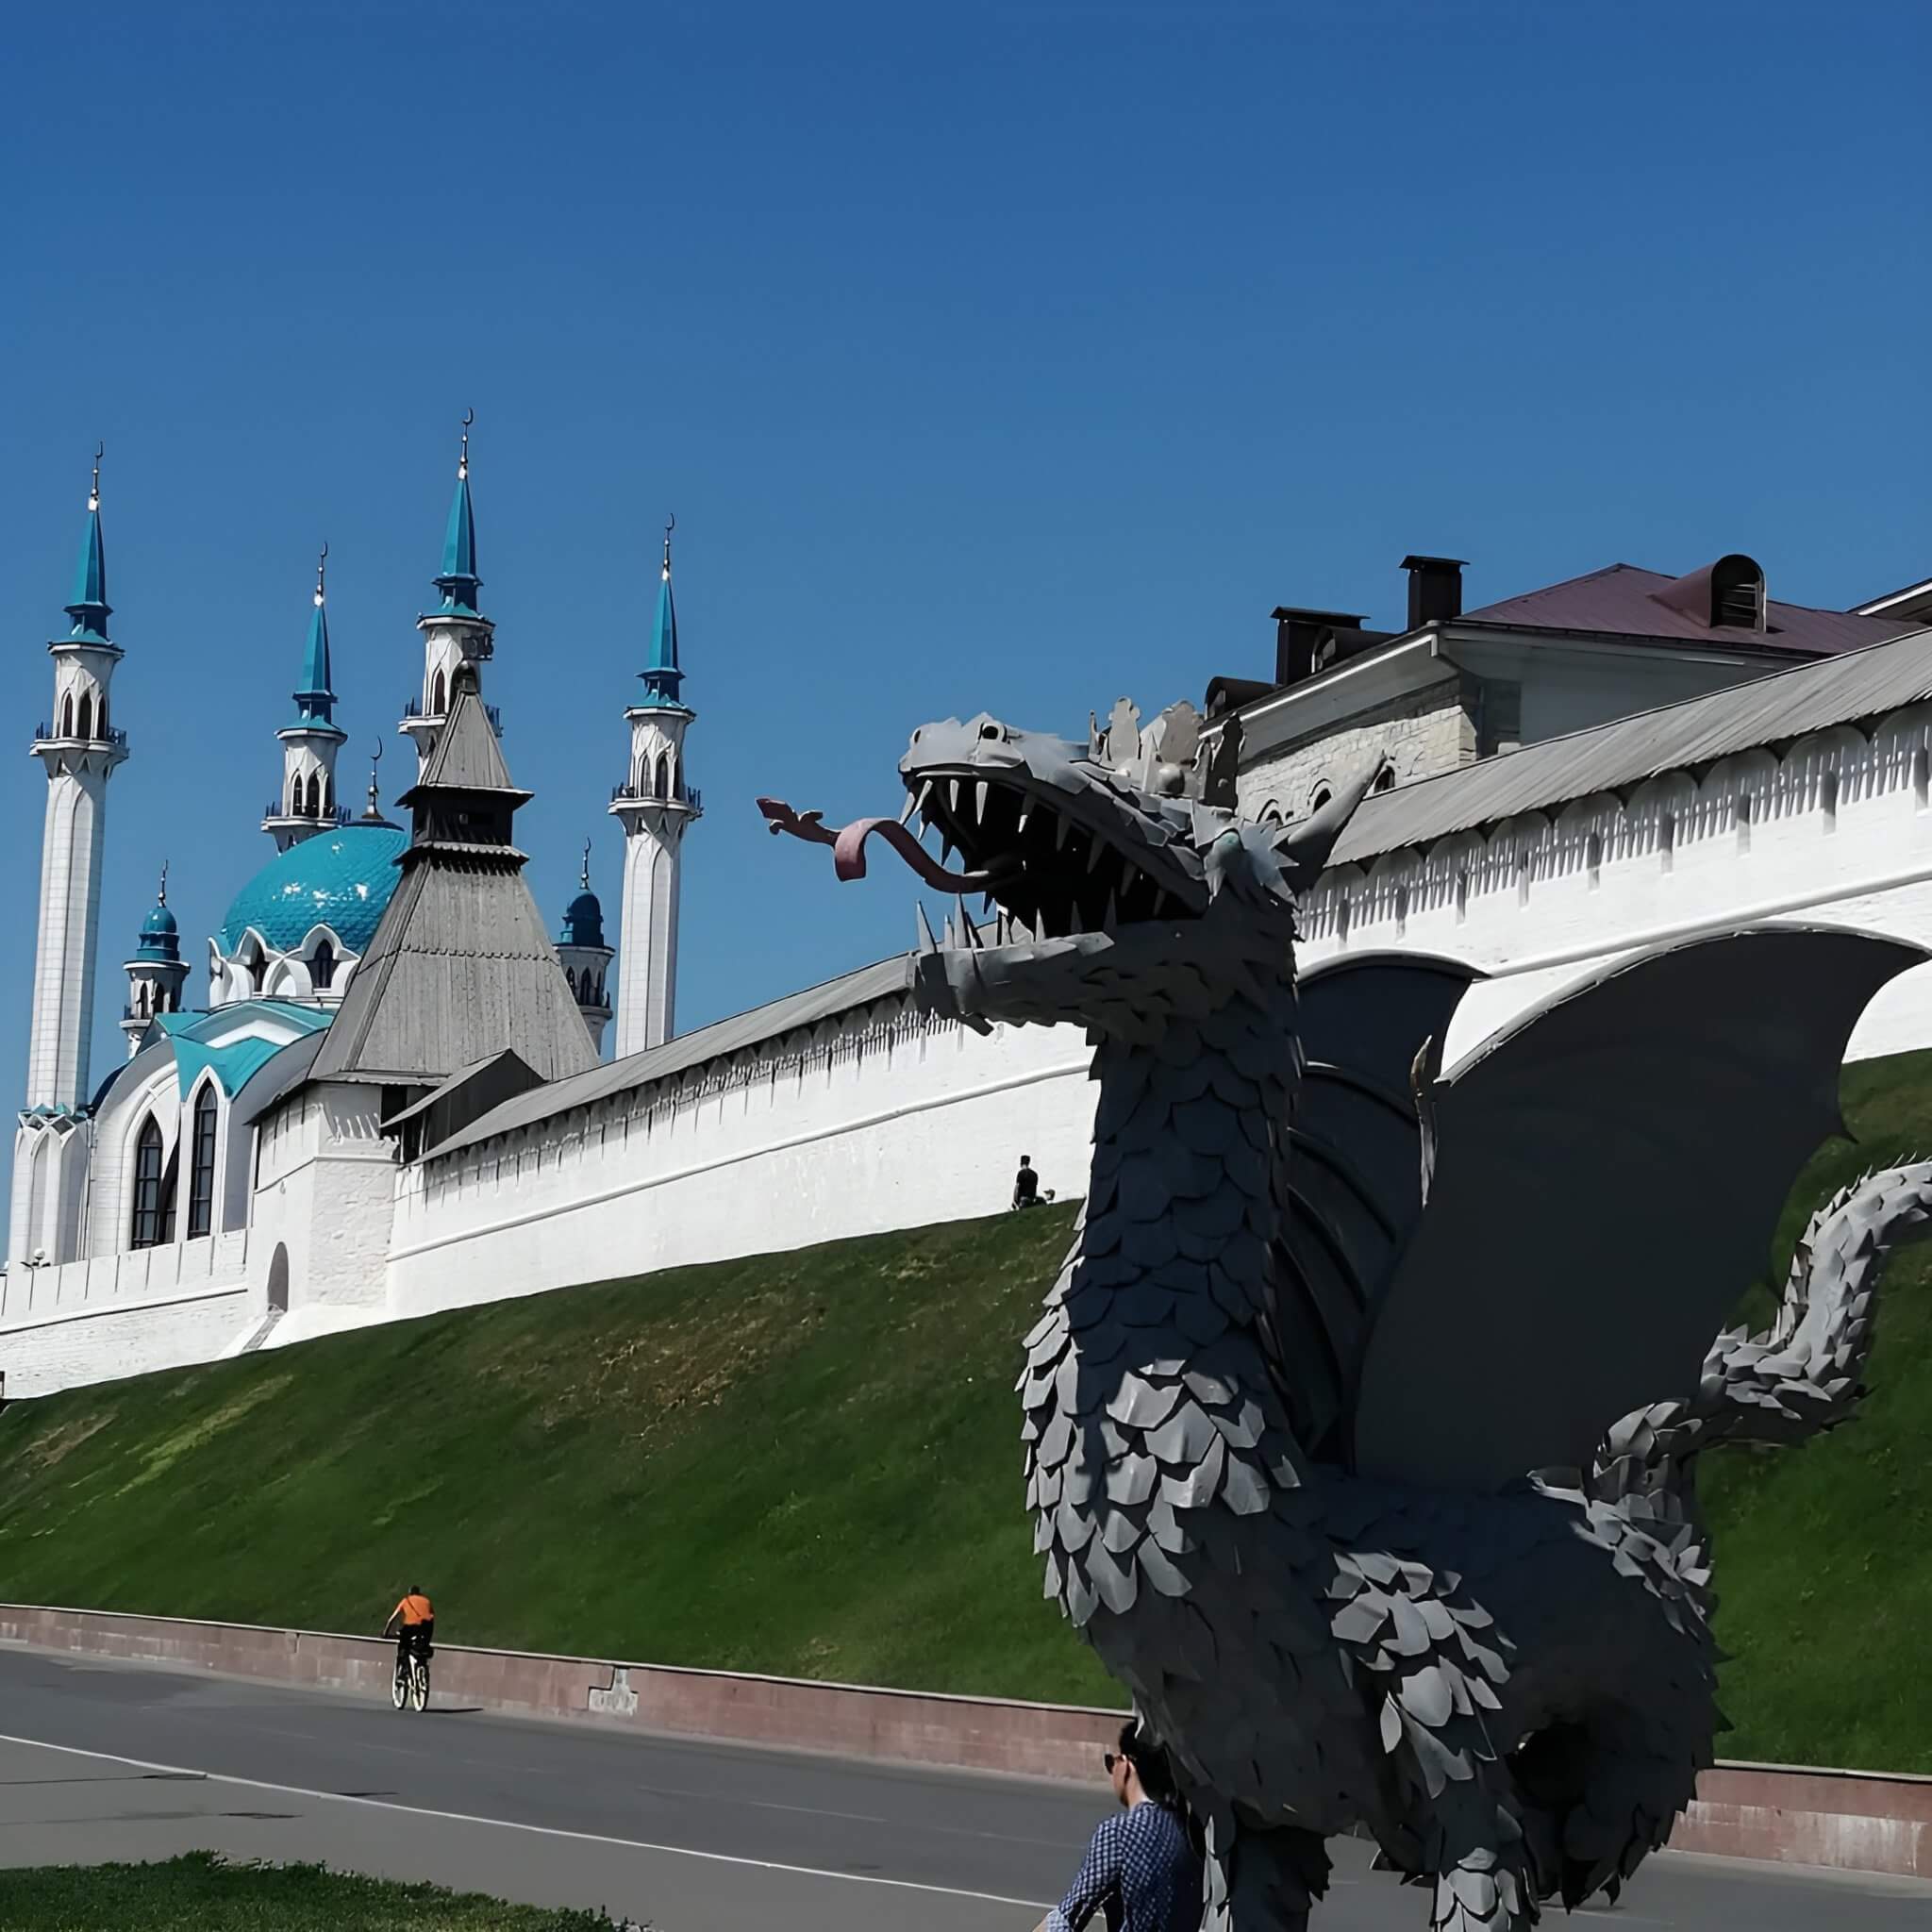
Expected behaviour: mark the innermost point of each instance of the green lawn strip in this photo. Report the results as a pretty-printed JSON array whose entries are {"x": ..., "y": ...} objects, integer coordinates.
[
  {"x": 201, "y": 1892},
  {"x": 809, "y": 1465}
]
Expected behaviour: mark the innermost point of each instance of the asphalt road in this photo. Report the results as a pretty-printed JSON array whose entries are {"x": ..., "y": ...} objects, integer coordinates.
[{"x": 101, "y": 1762}]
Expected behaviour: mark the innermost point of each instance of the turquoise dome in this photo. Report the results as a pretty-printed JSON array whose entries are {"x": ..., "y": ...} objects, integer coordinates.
[
  {"x": 160, "y": 937},
  {"x": 583, "y": 921},
  {"x": 340, "y": 879},
  {"x": 159, "y": 920}
]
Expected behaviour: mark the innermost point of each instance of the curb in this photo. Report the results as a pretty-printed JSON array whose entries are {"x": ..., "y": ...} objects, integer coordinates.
[{"x": 1850, "y": 1820}]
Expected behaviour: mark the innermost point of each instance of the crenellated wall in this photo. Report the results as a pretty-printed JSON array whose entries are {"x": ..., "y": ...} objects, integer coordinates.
[{"x": 881, "y": 1118}]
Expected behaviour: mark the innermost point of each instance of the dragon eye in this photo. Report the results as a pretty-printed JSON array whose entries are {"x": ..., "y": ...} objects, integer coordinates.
[{"x": 991, "y": 731}]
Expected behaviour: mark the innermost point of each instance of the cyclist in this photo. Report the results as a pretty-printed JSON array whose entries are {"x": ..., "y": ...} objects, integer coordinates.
[{"x": 413, "y": 1622}]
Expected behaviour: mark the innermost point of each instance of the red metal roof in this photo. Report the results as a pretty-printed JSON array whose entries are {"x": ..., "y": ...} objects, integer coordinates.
[{"x": 1624, "y": 601}]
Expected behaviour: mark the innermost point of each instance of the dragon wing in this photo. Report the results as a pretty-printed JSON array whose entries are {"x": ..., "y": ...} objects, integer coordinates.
[
  {"x": 1352, "y": 1172},
  {"x": 1609, "y": 1174}
]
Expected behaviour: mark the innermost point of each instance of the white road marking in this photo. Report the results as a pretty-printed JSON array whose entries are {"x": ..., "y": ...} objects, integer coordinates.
[{"x": 595, "y": 1838}]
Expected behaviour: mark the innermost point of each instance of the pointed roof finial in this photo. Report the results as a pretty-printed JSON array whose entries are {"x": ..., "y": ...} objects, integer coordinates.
[
  {"x": 459, "y": 580},
  {"x": 463, "y": 455},
  {"x": 321, "y": 562},
  {"x": 670, "y": 525},
  {"x": 585, "y": 877},
  {"x": 161, "y": 896},
  {"x": 89, "y": 609},
  {"x": 372, "y": 812}
]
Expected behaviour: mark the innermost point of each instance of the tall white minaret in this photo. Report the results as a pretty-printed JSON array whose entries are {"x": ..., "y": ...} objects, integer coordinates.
[
  {"x": 79, "y": 749},
  {"x": 455, "y": 633},
  {"x": 655, "y": 807},
  {"x": 307, "y": 803}
]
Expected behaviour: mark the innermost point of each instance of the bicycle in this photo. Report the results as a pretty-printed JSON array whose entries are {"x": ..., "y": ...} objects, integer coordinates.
[{"x": 412, "y": 1683}]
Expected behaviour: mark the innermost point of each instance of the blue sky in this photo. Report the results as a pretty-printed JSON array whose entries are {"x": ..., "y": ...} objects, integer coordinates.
[{"x": 994, "y": 357}]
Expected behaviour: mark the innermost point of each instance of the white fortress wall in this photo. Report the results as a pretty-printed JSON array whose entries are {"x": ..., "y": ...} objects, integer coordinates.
[
  {"x": 1836, "y": 831},
  {"x": 125, "y": 1314},
  {"x": 877, "y": 1119}
]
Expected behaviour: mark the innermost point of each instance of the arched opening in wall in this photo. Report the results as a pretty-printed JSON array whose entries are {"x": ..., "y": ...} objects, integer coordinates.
[
  {"x": 1270, "y": 813},
  {"x": 660, "y": 786},
  {"x": 571, "y": 978},
  {"x": 201, "y": 1172},
  {"x": 322, "y": 966},
  {"x": 67, "y": 716},
  {"x": 87, "y": 715},
  {"x": 101, "y": 716},
  {"x": 255, "y": 964},
  {"x": 1319, "y": 797},
  {"x": 438, "y": 691},
  {"x": 1384, "y": 779},
  {"x": 145, "y": 1230},
  {"x": 278, "y": 1280},
  {"x": 314, "y": 795}
]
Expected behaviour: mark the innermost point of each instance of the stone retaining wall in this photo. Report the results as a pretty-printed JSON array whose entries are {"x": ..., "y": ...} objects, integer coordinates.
[{"x": 1858, "y": 1821}]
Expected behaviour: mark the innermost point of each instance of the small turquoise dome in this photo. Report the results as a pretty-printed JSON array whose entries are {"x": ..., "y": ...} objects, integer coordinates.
[
  {"x": 160, "y": 938},
  {"x": 583, "y": 921},
  {"x": 340, "y": 879}
]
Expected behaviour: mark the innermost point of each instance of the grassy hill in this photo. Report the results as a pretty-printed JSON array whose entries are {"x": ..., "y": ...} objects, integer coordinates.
[{"x": 809, "y": 1465}]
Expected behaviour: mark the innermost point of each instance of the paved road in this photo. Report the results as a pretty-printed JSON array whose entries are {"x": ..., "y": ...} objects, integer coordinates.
[{"x": 120, "y": 1761}]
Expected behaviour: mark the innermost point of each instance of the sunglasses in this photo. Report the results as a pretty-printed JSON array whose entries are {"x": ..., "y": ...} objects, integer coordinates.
[{"x": 1110, "y": 1759}]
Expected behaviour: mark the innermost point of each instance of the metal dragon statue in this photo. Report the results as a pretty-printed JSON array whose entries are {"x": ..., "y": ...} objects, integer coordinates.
[{"x": 1321, "y": 1418}]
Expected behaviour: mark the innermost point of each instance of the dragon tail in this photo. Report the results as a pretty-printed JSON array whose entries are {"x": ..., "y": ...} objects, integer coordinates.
[{"x": 1806, "y": 1372}]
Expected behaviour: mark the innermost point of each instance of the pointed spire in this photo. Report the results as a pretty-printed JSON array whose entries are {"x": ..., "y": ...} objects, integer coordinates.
[
  {"x": 91, "y": 609},
  {"x": 458, "y": 581},
  {"x": 662, "y": 675},
  {"x": 584, "y": 878},
  {"x": 316, "y": 700},
  {"x": 372, "y": 812},
  {"x": 162, "y": 895}
]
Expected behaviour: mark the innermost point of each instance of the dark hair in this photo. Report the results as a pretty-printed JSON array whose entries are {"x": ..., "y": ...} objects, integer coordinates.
[
  {"x": 1025, "y": 1160},
  {"x": 415, "y": 1589},
  {"x": 1151, "y": 1765}
]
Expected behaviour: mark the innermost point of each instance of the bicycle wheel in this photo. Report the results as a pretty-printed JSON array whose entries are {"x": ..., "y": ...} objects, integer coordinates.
[
  {"x": 419, "y": 1689},
  {"x": 399, "y": 1687}
]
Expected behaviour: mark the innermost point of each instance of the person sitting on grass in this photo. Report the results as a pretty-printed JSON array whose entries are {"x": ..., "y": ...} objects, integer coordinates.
[{"x": 1141, "y": 1870}]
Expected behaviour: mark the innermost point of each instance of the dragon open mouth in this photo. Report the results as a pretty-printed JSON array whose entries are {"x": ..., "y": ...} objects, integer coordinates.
[{"x": 1040, "y": 866}]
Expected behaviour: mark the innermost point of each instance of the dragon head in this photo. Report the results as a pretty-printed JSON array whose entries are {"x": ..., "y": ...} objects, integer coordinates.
[{"x": 1120, "y": 907}]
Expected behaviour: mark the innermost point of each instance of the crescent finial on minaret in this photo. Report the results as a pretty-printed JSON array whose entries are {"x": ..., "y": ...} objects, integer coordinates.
[
  {"x": 320, "y": 563},
  {"x": 670, "y": 524},
  {"x": 93, "y": 494},
  {"x": 161, "y": 896},
  {"x": 463, "y": 455}
]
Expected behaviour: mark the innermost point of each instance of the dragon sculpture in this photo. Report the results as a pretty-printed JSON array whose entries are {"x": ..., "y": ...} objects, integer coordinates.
[{"x": 1321, "y": 1418}]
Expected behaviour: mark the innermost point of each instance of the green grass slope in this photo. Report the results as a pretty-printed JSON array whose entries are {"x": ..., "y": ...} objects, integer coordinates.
[{"x": 809, "y": 1465}]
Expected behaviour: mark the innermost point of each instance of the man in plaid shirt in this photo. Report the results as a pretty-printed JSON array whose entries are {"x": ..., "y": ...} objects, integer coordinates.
[{"x": 1141, "y": 1870}]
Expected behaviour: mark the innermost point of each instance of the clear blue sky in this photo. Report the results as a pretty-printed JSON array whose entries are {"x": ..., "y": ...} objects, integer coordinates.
[{"x": 1005, "y": 357}]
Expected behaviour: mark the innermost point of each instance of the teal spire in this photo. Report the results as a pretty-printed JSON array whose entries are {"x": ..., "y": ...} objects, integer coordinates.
[
  {"x": 160, "y": 938},
  {"x": 661, "y": 675},
  {"x": 315, "y": 702},
  {"x": 91, "y": 609},
  {"x": 458, "y": 581}
]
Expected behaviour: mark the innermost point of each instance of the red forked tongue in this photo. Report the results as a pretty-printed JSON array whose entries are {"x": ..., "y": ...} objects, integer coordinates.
[{"x": 848, "y": 846}]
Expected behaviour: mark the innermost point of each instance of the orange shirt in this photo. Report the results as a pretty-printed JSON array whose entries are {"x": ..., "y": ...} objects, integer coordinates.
[{"x": 414, "y": 1610}]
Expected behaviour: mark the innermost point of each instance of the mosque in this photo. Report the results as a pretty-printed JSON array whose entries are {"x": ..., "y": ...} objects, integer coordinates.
[{"x": 393, "y": 1099}]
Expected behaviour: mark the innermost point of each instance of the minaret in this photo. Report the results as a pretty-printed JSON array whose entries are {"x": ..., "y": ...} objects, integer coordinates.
[
  {"x": 586, "y": 957},
  {"x": 307, "y": 804},
  {"x": 455, "y": 633},
  {"x": 655, "y": 806},
  {"x": 80, "y": 750},
  {"x": 157, "y": 972}
]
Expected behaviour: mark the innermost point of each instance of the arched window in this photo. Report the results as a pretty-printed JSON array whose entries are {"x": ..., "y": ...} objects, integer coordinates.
[
  {"x": 1322, "y": 796},
  {"x": 201, "y": 1183},
  {"x": 662, "y": 787},
  {"x": 101, "y": 716},
  {"x": 1384, "y": 779},
  {"x": 146, "y": 1231},
  {"x": 255, "y": 965},
  {"x": 572, "y": 977},
  {"x": 322, "y": 966},
  {"x": 67, "y": 716},
  {"x": 87, "y": 714},
  {"x": 314, "y": 795},
  {"x": 437, "y": 692}
]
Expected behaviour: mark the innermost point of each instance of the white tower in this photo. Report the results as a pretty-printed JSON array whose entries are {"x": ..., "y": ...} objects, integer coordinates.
[
  {"x": 455, "y": 633},
  {"x": 310, "y": 744},
  {"x": 157, "y": 972},
  {"x": 655, "y": 807},
  {"x": 80, "y": 750},
  {"x": 586, "y": 957}
]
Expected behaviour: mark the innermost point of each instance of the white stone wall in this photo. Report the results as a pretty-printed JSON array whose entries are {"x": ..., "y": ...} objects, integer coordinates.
[
  {"x": 879, "y": 1120},
  {"x": 1425, "y": 733},
  {"x": 59, "y": 1046},
  {"x": 139, "y": 1338}
]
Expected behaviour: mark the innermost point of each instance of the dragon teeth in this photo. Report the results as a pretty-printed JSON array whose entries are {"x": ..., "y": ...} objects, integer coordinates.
[
  {"x": 911, "y": 805},
  {"x": 1060, "y": 829},
  {"x": 952, "y": 797},
  {"x": 980, "y": 802},
  {"x": 1025, "y": 813}
]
